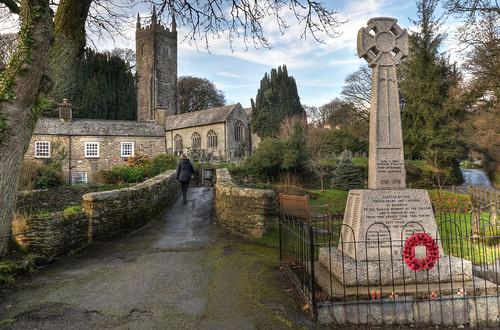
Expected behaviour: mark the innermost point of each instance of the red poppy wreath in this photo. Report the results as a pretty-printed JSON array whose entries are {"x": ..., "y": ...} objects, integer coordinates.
[{"x": 430, "y": 259}]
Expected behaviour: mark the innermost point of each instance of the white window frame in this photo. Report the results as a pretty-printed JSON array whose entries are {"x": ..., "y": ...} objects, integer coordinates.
[
  {"x": 124, "y": 152},
  {"x": 42, "y": 149},
  {"x": 79, "y": 178},
  {"x": 89, "y": 151}
]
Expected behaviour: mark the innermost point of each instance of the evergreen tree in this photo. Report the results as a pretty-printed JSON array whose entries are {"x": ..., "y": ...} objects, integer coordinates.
[
  {"x": 346, "y": 176},
  {"x": 102, "y": 87},
  {"x": 277, "y": 98},
  {"x": 430, "y": 122}
]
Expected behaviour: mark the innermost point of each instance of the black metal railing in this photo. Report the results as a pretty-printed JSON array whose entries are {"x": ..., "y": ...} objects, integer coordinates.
[{"x": 382, "y": 287}]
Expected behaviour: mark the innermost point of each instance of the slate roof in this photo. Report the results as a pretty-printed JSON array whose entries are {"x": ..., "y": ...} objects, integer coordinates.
[
  {"x": 200, "y": 118},
  {"x": 98, "y": 127}
]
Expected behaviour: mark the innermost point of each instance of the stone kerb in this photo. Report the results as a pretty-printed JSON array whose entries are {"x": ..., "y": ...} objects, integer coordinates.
[
  {"x": 114, "y": 212},
  {"x": 243, "y": 211}
]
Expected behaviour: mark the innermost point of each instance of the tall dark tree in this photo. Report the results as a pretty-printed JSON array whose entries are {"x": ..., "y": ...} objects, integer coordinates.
[
  {"x": 277, "y": 98},
  {"x": 427, "y": 78},
  {"x": 196, "y": 94},
  {"x": 104, "y": 88}
]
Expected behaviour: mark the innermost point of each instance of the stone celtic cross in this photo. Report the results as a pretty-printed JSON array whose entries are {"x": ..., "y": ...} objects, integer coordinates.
[{"x": 383, "y": 44}]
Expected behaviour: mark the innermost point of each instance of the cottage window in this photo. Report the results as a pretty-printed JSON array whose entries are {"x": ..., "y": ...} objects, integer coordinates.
[
  {"x": 238, "y": 132},
  {"x": 92, "y": 149},
  {"x": 42, "y": 149},
  {"x": 178, "y": 143},
  {"x": 196, "y": 141},
  {"x": 127, "y": 149},
  {"x": 211, "y": 139},
  {"x": 79, "y": 178}
]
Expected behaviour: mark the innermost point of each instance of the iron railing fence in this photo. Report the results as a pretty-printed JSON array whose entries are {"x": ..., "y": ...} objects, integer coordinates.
[{"x": 460, "y": 287}]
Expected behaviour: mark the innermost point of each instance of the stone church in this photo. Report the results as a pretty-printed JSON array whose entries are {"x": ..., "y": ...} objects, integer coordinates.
[{"x": 212, "y": 135}]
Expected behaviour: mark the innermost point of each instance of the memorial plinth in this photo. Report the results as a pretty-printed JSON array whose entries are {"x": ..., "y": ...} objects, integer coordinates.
[{"x": 378, "y": 221}]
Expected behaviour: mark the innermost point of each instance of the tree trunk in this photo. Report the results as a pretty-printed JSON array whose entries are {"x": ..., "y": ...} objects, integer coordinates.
[
  {"x": 20, "y": 111},
  {"x": 69, "y": 43}
]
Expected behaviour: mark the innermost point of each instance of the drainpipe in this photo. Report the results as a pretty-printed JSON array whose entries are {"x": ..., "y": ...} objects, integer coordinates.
[
  {"x": 69, "y": 161},
  {"x": 225, "y": 138}
]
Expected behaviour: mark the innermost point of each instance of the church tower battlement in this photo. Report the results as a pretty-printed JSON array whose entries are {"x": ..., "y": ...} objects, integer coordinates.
[{"x": 156, "y": 67}]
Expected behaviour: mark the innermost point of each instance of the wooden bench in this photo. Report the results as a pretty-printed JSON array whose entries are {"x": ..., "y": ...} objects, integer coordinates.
[{"x": 300, "y": 207}]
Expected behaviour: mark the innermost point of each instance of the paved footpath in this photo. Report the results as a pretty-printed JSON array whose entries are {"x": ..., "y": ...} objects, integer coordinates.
[{"x": 174, "y": 273}]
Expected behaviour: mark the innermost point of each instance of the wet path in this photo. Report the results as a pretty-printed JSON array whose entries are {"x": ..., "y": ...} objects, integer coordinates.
[{"x": 174, "y": 273}]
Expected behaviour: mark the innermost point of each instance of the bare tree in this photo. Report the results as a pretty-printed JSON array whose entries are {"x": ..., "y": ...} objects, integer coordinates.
[
  {"x": 23, "y": 83},
  {"x": 286, "y": 127},
  {"x": 470, "y": 9},
  {"x": 358, "y": 90}
]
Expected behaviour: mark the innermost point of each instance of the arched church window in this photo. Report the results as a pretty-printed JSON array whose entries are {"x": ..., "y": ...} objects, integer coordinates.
[
  {"x": 196, "y": 141},
  {"x": 238, "y": 132},
  {"x": 142, "y": 49},
  {"x": 177, "y": 143},
  {"x": 211, "y": 139}
]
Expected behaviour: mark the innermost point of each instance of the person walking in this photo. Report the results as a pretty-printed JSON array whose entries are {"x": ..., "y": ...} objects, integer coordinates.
[{"x": 183, "y": 174}]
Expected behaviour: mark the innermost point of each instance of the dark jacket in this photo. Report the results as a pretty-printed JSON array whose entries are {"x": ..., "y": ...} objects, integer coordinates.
[{"x": 184, "y": 170}]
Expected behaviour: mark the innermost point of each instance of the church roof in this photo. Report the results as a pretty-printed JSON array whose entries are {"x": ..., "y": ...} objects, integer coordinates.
[
  {"x": 98, "y": 127},
  {"x": 200, "y": 118}
]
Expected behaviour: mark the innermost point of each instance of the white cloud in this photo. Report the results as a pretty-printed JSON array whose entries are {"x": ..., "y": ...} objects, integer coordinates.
[{"x": 228, "y": 74}]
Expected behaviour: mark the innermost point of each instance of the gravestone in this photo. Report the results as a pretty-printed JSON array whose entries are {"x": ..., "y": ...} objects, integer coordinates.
[{"x": 378, "y": 221}]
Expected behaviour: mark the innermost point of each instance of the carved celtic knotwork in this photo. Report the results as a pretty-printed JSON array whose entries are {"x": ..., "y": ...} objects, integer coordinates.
[{"x": 382, "y": 42}]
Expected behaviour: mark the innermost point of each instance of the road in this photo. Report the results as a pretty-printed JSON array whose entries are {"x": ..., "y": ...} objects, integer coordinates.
[
  {"x": 475, "y": 178},
  {"x": 177, "y": 272}
]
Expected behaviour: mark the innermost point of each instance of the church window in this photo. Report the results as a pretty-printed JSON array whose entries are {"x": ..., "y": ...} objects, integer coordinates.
[
  {"x": 196, "y": 141},
  {"x": 238, "y": 132},
  {"x": 142, "y": 49},
  {"x": 92, "y": 149},
  {"x": 42, "y": 149},
  {"x": 127, "y": 149},
  {"x": 177, "y": 143},
  {"x": 79, "y": 178},
  {"x": 212, "y": 139}
]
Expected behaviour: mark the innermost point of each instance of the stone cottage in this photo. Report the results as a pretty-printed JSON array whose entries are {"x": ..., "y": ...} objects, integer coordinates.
[{"x": 217, "y": 134}]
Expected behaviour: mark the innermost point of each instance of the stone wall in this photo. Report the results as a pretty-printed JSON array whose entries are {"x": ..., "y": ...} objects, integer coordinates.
[
  {"x": 43, "y": 200},
  {"x": 114, "y": 212},
  {"x": 57, "y": 234},
  {"x": 105, "y": 214},
  {"x": 243, "y": 211}
]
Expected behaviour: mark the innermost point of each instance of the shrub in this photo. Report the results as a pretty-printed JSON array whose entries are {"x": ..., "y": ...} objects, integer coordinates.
[
  {"x": 48, "y": 177},
  {"x": 161, "y": 163},
  {"x": 138, "y": 160},
  {"x": 266, "y": 162},
  {"x": 29, "y": 172}
]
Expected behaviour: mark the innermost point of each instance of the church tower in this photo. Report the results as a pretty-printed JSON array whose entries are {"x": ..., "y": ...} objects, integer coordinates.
[{"x": 156, "y": 66}]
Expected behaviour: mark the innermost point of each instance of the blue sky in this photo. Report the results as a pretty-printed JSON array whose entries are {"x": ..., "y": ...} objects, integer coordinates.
[{"x": 318, "y": 68}]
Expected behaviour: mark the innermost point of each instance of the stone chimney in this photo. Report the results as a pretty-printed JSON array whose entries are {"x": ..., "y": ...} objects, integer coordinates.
[{"x": 65, "y": 111}]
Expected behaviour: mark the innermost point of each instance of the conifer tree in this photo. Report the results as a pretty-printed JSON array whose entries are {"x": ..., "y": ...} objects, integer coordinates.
[
  {"x": 346, "y": 176},
  {"x": 277, "y": 98},
  {"x": 430, "y": 121},
  {"x": 102, "y": 87}
]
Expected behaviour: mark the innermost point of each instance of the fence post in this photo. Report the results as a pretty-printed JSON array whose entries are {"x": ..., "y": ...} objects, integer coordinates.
[{"x": 313, "y": 287}]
